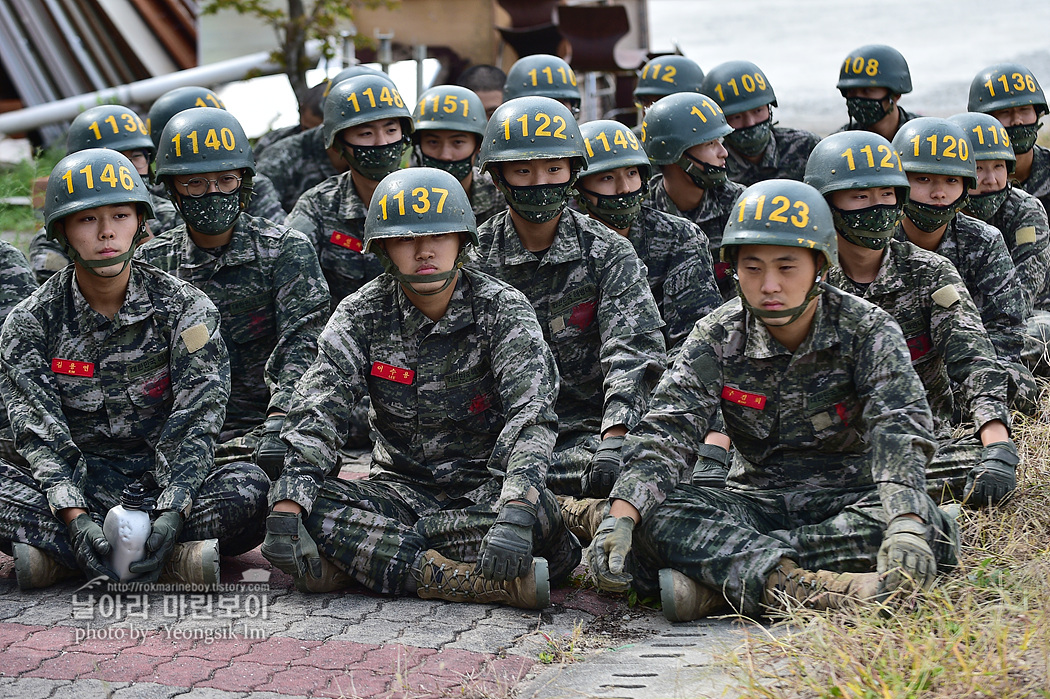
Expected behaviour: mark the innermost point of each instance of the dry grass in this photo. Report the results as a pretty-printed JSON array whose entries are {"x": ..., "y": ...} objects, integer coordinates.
[{"x": 983, "y": 631}]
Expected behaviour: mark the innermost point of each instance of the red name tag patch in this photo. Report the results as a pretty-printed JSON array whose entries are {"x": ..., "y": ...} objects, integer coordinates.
[
  {"x": 346, "y": 241},
  {"x": 722, "y": 270},
  {"x": 393, "y": 373},
  {"x": 70, "y": 367},
  {"x": 919, "y": 346},
  {"x": 748, "y": 400}
]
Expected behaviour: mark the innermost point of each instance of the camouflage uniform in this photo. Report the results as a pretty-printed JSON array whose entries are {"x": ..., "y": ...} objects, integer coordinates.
[
  {"x": 273, "y": 136},
  {"x": 711, "y": 215},
  {"x": 16, "y": 283},
  {"x": 98, "y": 403},
  {"x": 296, "y": 164},
  {"x": 463, "y": 412},
  {"x": 264, "y": 204},
  {"x": 948, "y": 346},
  {"x": 1038, "y": 182},
  {"x": 485, "y": 199},
  {"x": 678, "y": 264},
  {"x": 831, "y": 444},
  {"x": 593, "y": 303},
  {"x": 273, "y": 302},
  {"x": 905, "y": 117},
  {"x": 785, "y": 157}
]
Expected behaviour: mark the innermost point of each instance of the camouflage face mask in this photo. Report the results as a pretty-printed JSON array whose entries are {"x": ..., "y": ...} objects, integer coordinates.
[
  {"x": 752, "y": 140},
  {"x": 865, "y": 111},
  {"x": 870, "y": 227},
  {"x": 375, "y": 162},
  {"x": 703, "y": 175},
  {"x": 616, "y": 210},
  {"x": 1023, "y": 136},
  {"x": 539, "y": 203},
  {"x": 984, "y": 206},
  {"x": 212, "y": 214},
  {"x": 928, "y": 217},
  {"x": 457, "y": 168}
]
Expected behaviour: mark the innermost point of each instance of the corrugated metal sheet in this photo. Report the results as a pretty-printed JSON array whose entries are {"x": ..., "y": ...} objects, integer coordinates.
[{"x": 53, "y": 49}]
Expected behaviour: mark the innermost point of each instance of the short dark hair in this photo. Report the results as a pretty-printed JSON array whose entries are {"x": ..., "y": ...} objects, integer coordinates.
[
  {"x": 482, "y": 78},
  {"x": 313, "y": 100}
]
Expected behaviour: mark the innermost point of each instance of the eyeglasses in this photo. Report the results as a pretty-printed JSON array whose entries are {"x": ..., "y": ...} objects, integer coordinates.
[{"x": 197, "y": 187}]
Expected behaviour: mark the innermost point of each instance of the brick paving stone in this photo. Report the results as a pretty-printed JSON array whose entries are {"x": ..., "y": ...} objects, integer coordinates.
[
  {"x": 209, "y": 693},
  {"x": 335, "y": 655},
  {"x": 11, "y": 609},
  {"x": 317, "y": 627},
  {"x": 16, "y": 660},
  {"x": 157, "y": 644},
  {"x": 445, "y": 669},
  {"x": 280, "y": 651},
  {"x": 352, "y": 605},
  {"x": 148, "y": 690},
  {"x": 239, "y": 676},
  {"x": 394, "y": 658},
  {"x": 15, "y": 633},
  {"x": 87, "y": 689},
  {"x": 221, "y": 651},
  {"x": 107, "y": 640},
  {"x": 127, "y": 667},
  {"x": 412, "y": 609},
  {"x": 48, "y": 615},
  {"x": 184, "y": 671},
  {"x": 68, "y": 665},
  {"x": 360, "y": 684},
  {"x": 27, "y": 688},
  {"x": 300, "y": 679},
  {"x": 429, "y": 634},
  {"x": 377, "y": 631}
]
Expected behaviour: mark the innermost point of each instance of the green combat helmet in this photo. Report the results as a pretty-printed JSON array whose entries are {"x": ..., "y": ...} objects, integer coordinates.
[
  {"x": 936, "y": 147},
  {"x": 201, "y": 140},
  {"x": 740, "y": 86},
  {"x": 416, "y": 202},
  {"x": 448, "y": 108},
  {"x": 611, "y": 145},
  {"x": 859, "y": 160},
  {"x": 351, "y": 72},
  {"x": 88, "y": 179},
  {"x": 359, "y": 100},
  {"x": 174, "y": 101},
  {"x": 1005, "y": 86},
  {"x": 111, "y": 126},
  {"x": 531, "y": 128},
  {"x": 990, "y": 141},
  {"x": 678, "y": 122},
  {"x": 876, "y": 65},
  {"x": 542, "y": 75},
  {"x": 781, "y": 212},
  {"x": 666, "y": 75}
]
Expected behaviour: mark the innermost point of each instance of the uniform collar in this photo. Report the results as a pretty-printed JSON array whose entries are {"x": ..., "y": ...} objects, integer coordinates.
[
  {"x": 762, "y": 345},
  {"x": 459, "y": 315},
  {"x": 351, "y": 206},
  {"x": 137, "y": 305},
  {"x": 565, "y": 248}
]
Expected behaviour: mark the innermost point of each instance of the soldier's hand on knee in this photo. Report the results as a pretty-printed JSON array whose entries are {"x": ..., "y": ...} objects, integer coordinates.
[
  {"x": 905, "y": 557},
  {"x": 995, "y": 477},
  {"x": 506, "y": 551},
  {"x": 90, "y": 547},
  {"x": 607, "y": 554},
  {"x": 289, "y": 547},
  {"x": 603, "y": 470},
  {"x": 159, "y": 545},
  {"x": 270, "y": 451},
  {"x": 712, "y": 466}
]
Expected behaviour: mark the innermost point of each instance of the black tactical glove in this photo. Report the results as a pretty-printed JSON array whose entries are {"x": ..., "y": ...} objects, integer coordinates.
[
  {"x": 994, "y": 477},
  {"x": 905, "y": 558},
  {"x": 160, "y": 544},
  {"x": 288, "y": 545},
  {"x": 603, "y": 470},
  {"x": 712, "y": 466},
  {"x": 608, "y": 552},
  {"x": 90, "y": 547},
  {"x": 270, "y": 451},
  {"x": 506, "y": 550}
]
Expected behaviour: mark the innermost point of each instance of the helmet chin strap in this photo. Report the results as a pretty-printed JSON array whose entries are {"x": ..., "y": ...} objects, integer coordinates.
[
  {"x": 794, "y": 313},
  {"x": 408, "y": 280},
  {"x": 124, "y": 257}
]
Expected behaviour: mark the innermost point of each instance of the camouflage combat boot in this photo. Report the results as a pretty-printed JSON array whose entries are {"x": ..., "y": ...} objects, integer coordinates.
[
  {"x": 332, "y": 578},
  {"x": 35, "y": 568},
  {"x": 193, "y": 563},
  {"x": 582, "y": 516},
  {"x": 684, "y": 599},
  {"x": 438, "y": 577},
  {"x": 788, "y": 586}
]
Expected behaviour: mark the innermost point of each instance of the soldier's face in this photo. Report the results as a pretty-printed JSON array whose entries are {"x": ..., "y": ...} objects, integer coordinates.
[
  {"x": 991, "y": 176},
  {"x": 373, "y": 133},
  {"x": 1016, "y": 116},
  {"x": 748, "y": 118},
  {"x": 939, "y": 190},
  {"x": 139, "y": 158},
  {"x": 528, "y": 173},
  {"x": 711, "y": 152},
  {"x": 775, "y": 278},
  {"x": 622, "y": 180},
  {"x": 101, "y": 233},
  {"x": 853, "y": 199},
  {"x": 490, "y": 99},
  {"x": 447, "y": 145},
  {"x": 425, "y": 254},
  {"x": 868, "y": 93}
]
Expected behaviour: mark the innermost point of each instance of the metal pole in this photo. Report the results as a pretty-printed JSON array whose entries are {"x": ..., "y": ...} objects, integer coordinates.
[
  {"x": 420, "y": 56},
  {"x": 385, "y": 52}
]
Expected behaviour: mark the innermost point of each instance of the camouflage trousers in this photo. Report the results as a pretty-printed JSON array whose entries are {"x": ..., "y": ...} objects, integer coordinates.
[
  {"x": 376, "y": 531},
  {"x": 1036, "y": 352},
  {"x": 230, "y": 506},
  {"x": 571, "y": 457},
  {"x": 946, "y": 474},
  {"x": 730, "y": 539}
]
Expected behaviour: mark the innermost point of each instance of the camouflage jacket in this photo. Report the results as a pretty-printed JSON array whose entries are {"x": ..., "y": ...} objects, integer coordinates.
[
  {"x": 273, "y": 136},
  {"x": 905, "y": 117},
  {"x": 295, "y": 164},
  {"x": 273, "y": 302},
  {"x": 454, "y": 403},
  {"x": 594, "y": 305},
  {"x": 16, "y": 283},
  {"x": 263, "y": 204},
  {"x": 980, "y": 254},
  {"x": 845, "y": 410},
  {"x": 678, "y": 267},
  {"x": 96, "y": 402},
  {"x": 785, "y": 157},
  {"x": 1038, "y": 182},
  {"x": 925, "y": 295},
  {"x": 1022, "y": 221},
  {"x": 485, "y": 199},
  {"x": 332, "y": 216}
]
